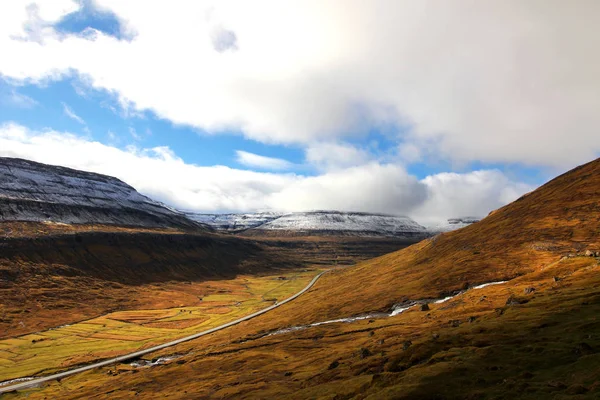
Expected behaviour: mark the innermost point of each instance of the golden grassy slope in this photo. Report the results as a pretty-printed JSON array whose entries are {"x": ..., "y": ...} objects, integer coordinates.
[
  {"x": 473, "y": 347},
  {"x": 559, "y": 218}
]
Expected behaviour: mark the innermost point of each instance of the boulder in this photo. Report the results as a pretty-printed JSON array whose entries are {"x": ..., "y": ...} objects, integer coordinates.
[
  {"x": 513, "y": 300},
  {"x": 425, "y": 307},
  {"x": 364, "y": 353}
]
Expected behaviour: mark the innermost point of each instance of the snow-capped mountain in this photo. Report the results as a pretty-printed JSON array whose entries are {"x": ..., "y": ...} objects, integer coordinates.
[
  {"x": 325, "y": 223},
  {"x": 234, "y": 222},
  {"x": 343, "y": 224},
  {"x": 453, "y": 224},
  {"x": 31, "y": 191}
]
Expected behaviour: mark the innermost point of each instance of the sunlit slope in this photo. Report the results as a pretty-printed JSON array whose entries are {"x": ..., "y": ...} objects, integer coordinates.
[{"x": 562, "y": 217}]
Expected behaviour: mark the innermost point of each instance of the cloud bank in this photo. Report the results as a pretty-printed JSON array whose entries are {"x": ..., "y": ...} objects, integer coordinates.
[
  {"x": 506, "y": 81},
  {"x": 161, "y": 174}
]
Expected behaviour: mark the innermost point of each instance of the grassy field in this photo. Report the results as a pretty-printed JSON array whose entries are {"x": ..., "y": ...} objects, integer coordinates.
[
  {"x": 127, "y": 331},
  {"x": 475, "y": 346}
]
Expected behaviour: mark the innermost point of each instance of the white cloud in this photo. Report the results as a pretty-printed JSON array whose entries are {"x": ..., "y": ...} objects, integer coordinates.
[
  {"x": 16, "y": 99},
  {"x": 505, "y": 81},
  {"x": 136, "y": 136},
  {"x": 159, "y": 173},
  {"x": 471, "y": 194},
  {"x": 372, "y": 187},
  {"x": 261, "y": 162},
  {"x": 71, "y": 114},
  {"x": 330, "y": 156},
  {"x": 112, "y": 138}
]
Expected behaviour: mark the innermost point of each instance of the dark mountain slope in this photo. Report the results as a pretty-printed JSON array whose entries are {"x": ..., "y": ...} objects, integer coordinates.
[{"x": 31, "y": 191}]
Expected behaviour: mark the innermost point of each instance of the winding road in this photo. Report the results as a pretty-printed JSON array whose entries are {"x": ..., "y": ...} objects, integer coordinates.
[{"x": 37, "y": 381}]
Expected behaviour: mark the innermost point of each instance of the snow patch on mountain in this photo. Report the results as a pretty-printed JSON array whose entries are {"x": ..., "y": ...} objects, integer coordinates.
[
  {"x": 31, "y": 191},
  {"x": 361, "y": 224},
  {"x": 234, "y": 222},
  {"x": 453, "y": 224}
]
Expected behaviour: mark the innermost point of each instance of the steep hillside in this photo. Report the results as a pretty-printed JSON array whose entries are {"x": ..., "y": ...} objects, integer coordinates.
[
  {"x": 31, "y": 191},
  {"x": 560, "y": 218},
  {"x": 338, "y": 223}
]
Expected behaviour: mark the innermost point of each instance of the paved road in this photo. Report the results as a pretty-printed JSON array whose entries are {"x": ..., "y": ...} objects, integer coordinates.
[{"x": 37, "y": 381}]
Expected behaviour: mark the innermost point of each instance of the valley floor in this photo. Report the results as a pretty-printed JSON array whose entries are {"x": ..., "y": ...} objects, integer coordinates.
[
  {"x": 536, "y": 336},
  {"x": 117, "y": 333}
]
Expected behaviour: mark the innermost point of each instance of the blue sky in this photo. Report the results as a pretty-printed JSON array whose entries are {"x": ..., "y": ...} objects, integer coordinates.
[{"x": 384, "y": 106}]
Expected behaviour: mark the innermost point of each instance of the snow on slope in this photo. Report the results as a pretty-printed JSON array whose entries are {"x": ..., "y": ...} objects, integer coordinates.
[
  {"x": 233, "y": 222},
  {"x": 453, "y": 224},
  {"x": 349, "y": 223},
  {"x": 31, "y": 191}
]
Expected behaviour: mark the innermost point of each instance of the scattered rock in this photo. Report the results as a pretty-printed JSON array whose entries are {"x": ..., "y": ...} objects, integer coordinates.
[
  {"x": 472, "y": 319},
  {"x": 529, "y": 290},
  {"x": 454, "y": 323},
  {"x": 381, "y": 341},
  {"x": 557, "y": 279},
  {"x": 364, "y": 353},
  {"x": 577, "y": 389},
  {"x": 482, "y": 298},
  {"x": 589, "y": 253},
  {"x": 290, "y": 373},
  {"x": 526, "y": 375},
  {"x": 425, "y": 307},
  {"x": 371, "y": 333},
  {"x": 406, "y": 345},
  {"x": 334, "y": 365},
  {"x": 513, "y": 300},
  {"x": 557, "y": 385},
  {"x": 583, "y": 349},
  {"x": 435, "y": 336}
]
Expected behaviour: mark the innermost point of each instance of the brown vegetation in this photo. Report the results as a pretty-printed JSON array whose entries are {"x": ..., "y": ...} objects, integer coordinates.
[{"x": 504, "y": 341}]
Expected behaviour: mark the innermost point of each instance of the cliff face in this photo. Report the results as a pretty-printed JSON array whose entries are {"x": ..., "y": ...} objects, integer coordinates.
[{"x": 31, "y": 191}]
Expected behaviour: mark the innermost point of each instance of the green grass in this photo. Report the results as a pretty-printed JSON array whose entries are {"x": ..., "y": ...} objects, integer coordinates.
[{"x": 127, "y": 331}]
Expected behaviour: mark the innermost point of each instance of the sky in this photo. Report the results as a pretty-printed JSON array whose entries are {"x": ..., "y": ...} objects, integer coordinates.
[{"x": 428, "y": 109}]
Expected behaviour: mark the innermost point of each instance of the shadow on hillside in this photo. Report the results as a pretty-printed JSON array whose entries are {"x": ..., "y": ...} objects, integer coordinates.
[
  {"x": 528, "y": 352},
  {"x": 137, "y": 258}
]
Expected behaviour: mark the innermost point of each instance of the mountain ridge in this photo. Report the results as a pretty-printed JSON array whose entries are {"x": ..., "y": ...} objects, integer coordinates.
[{"x": 32, "y": 191}]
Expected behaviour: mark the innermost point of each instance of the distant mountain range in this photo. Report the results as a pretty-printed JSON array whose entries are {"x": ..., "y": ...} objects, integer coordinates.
[
  {"x": 31, "y": 191},
  {"x": 453, "y": 224},
  {"x": 330, "y": 223},
  {"x": 234, "y": 222}
]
